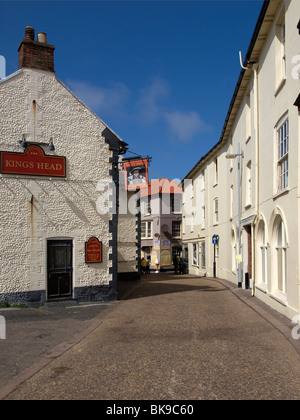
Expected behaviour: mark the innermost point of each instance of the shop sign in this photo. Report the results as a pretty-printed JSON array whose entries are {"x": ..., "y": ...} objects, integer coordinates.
[
  {"x": 93, "y": 251},
  {"x": 33, "y": 162},
  {"x": 166, "y": 244},
  {"x": 157, "y": 245}
]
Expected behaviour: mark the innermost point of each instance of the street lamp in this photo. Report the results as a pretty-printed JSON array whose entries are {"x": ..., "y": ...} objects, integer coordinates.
[{"x": 239, "y": 155}]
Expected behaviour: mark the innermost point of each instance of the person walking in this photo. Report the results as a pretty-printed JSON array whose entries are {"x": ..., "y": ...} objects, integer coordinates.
[
  {"x": 181, "y": 266},
  {"x": 148, "y": 265},
  {"x": 175, "y": 263},
  {"x": 144, "y": 266}
]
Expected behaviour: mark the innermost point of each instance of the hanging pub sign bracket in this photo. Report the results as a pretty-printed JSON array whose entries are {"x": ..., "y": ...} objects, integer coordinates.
[{"x": 93, "y": 251}]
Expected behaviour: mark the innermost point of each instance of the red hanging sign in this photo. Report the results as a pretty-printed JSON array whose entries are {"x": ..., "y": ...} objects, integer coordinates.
[
  {"x": 136, "y": 174},
  {"x": 93, "y": 251},
  {"x": 33, "y": 162}
]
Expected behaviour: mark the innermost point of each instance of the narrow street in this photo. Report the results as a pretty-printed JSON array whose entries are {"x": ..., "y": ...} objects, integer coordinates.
[{"x": 175, "y": 338}]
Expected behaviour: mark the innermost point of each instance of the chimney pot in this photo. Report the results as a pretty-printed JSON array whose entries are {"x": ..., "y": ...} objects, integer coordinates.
[
  {"x": 42, "y": 37},
  {"x": 29, "y": 33}
]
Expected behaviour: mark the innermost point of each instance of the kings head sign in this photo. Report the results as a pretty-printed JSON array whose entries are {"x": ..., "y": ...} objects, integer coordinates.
[{"x": 33, "y": 162}]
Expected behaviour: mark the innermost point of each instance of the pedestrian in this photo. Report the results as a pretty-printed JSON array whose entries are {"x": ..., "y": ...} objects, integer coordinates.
[
  {"x": 148, "y": 265},
  {"x": 175, "y": 263},
  {"x": 181, "y": 266},
  {"x": 144, "y": 266}
]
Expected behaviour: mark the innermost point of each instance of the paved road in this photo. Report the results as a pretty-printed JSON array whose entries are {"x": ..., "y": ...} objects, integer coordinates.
[{"x": 175, "y": 338}]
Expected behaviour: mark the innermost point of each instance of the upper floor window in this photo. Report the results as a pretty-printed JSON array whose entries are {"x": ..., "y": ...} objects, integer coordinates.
[
  {"x": 216, "y": 211},
  {"x": 176, "y": 229},
  {"x": 283, "y": 155},
  {"x": 248, "y": 184},
  {"x": 216, "y": 172},
  {"x": 280, "y": 50},
  {"x": 231, "y": 202},
  {"x": 146, "y": 230},
  {"x": 248, "y": 116}
]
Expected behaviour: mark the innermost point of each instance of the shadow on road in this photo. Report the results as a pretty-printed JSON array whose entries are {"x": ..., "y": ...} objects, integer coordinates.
[{"x": 161, "y": 284}]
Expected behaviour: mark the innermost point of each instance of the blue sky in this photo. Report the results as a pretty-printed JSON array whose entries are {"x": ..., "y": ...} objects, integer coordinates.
[{"x": 161, "y": 74}]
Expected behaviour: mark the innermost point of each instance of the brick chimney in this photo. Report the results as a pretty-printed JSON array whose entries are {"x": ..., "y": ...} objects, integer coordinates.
[{"x": 36, "y": 54}]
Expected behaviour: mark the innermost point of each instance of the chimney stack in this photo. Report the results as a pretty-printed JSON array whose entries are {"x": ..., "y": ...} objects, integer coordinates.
[{"x": 36, "y": 54}]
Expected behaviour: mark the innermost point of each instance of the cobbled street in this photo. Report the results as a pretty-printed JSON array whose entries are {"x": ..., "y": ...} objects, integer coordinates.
[{"x": 171, "y": 338}]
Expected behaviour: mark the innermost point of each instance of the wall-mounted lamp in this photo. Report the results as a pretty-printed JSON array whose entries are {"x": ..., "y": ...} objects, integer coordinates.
[
  {"x": 23, "y": 142},
  {"x": 51, "y": 145},
  {"x": 234, "y": 155}
]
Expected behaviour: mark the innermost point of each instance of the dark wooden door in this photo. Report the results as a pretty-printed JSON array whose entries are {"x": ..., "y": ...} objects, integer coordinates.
[{"x": 60, "y": 269}]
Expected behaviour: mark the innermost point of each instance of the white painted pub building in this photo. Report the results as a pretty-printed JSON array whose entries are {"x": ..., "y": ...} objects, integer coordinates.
[{"x": 59, "y": 225}]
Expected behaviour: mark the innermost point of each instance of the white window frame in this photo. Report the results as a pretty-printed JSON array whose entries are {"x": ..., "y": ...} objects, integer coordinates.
[
  {"x": 203, "y": 254},
  {"x": 282, "y": 139},
  {"x": 231, "y": 203},
  {"x": 216, "y": 211},
  {"x": 179, "y": 224},
  {"x": 147, "y": 231},
  {"x": 280, "y": 52},
  {"x": 281, "y": 257},
  {"x": 248, "y": 184},
  {"x": 216, "y": 172}
]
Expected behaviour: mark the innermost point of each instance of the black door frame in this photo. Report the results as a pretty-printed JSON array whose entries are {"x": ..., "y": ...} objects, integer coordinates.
[{"x": 62, "y": 277}]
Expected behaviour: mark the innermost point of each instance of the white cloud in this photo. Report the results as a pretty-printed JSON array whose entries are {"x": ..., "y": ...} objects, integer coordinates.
[
  {"x": 152, "y": 107},
  {"x": 108, "y": 101},
  {"x": 185, "y": 125},
  {"x": 149, "y": 107}
]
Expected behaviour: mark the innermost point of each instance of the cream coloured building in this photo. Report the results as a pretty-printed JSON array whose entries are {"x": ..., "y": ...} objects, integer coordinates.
[
  {"x": 59, "y": 168},
  {"x": 257, "y": 230}
]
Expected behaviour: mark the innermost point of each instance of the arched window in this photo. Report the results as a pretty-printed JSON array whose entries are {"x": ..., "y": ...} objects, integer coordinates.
[{"x": 280, "y": 260}]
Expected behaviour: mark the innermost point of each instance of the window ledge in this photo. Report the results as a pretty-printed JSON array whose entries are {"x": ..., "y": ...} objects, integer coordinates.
[
  {"x": 280, "y": 193},
  {"x": 262, "y": 287},
  {"x": 279, "y": 297}
]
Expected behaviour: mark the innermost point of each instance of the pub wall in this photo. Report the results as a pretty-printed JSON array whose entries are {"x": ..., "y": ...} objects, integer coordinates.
[{"x": 36, "y": 209}]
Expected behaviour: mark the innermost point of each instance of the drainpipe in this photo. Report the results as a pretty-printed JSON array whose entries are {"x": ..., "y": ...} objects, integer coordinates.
[{"x": 256, "y": 98}]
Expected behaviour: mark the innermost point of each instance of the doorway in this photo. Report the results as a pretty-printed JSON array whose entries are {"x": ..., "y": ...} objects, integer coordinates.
[
  {"x": 248, "y": 256},
  {"x": 60, "y": 268}
]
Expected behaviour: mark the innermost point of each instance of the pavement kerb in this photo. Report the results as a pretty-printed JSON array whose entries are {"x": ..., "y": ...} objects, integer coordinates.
[{"x": 54, "y": 353}]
